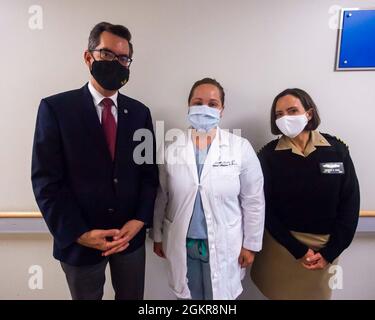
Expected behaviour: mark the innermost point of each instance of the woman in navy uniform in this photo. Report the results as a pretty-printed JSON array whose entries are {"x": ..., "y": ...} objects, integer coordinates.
[{"x": 312, "y": 202}]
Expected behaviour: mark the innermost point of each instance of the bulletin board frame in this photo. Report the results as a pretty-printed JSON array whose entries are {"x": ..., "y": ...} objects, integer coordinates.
[{"x": 340, "y": 62}]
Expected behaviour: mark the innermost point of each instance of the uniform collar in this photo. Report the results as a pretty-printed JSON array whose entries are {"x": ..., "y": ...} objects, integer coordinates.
[{"x": 316, "y": 140}]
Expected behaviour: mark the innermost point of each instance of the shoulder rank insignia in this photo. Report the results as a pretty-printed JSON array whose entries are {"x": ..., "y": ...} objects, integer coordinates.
[
  {"x": 341, "y": 141},
  {"x": 262, "y": 148}
]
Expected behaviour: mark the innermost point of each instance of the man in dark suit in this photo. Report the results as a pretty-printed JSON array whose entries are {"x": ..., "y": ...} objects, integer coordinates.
[{"x": 95, "y": 196}]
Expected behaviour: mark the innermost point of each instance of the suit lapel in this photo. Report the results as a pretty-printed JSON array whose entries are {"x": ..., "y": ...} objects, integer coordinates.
[
  {"x": 125, "y": 118},
  {"x": 125, "y": 129},
  {"x": 91, "y": 120}
]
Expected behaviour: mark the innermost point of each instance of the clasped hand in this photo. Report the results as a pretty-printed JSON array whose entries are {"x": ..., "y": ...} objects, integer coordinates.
[{"x": 111, "y": 241}]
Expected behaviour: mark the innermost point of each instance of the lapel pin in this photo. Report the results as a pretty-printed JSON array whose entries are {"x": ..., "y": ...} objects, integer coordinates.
[{"x": 126, "y": 111}]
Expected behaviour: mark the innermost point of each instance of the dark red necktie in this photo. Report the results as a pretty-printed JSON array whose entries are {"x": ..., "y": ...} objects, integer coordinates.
[{"x": 109, "y": 125}]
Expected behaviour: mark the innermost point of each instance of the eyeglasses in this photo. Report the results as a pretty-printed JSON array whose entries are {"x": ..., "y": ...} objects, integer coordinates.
[{"x": 108, "y": 55}]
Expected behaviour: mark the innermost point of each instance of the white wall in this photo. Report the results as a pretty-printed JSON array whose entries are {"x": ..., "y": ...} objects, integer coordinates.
[{"x": 254, "y": 48}]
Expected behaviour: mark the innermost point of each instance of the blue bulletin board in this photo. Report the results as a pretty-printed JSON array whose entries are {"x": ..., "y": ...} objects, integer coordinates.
[{"x": 356, "y": 45}]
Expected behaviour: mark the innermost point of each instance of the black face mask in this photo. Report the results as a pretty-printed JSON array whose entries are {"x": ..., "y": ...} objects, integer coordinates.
[{"x": 111, "y": 75}]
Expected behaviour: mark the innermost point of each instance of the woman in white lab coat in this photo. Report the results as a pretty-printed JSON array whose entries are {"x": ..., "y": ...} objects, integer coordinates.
[{"x": 209, "y": 212}]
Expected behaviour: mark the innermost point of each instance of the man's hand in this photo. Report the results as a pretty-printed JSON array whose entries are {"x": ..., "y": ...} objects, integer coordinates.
[
  {"x": 127, "y": 232},
  {"x": 246, "y": 258},
  {"x": 158, "y": 249},
  {"x": 305, "y": 260},
  {"x": 315, "y": 262},
  {"x": 100, "y": 239}
]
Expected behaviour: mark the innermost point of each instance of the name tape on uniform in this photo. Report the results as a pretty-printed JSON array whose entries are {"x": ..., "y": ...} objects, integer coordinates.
[{"x": 332, "y": 168}]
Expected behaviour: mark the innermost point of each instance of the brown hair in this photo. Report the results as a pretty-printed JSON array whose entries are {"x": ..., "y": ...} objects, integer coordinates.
[
  {"x": 116, "y": 29},
  {"x": 307, "y": 103},
  {"x": 208, "y": 81}
]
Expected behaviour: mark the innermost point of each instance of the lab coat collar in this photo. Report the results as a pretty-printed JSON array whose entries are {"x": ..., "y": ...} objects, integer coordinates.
[
  {"x": 221, "y": 140},
  {"x": 222, "y": 135}
]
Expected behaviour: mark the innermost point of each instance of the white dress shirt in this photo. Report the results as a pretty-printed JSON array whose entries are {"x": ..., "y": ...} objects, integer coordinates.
[{"x": 98, "y": 97}]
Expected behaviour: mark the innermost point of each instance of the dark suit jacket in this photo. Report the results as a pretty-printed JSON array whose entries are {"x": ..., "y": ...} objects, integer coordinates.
[{"x": 77, "y": 185}]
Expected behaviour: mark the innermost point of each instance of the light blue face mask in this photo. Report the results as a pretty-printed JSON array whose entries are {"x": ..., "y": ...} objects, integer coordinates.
[{"x": 203, "y": 118}]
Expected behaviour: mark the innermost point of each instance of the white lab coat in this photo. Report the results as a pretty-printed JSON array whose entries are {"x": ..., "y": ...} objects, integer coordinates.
[{"x": 231, "y": 187}]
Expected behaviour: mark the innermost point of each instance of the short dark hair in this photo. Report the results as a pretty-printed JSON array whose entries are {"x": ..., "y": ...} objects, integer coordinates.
[
  {"x": 116, "y": 29},
  {"x": 307, "y": 103},
  {"x": 208, "y": 81}
]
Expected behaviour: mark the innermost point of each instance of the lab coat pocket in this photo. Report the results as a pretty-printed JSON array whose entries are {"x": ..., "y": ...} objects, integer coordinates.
[
  {"x": 235, "y": 272},
  {"x": 231, "y": 211},
  {"x": 228, "y": 172},
  {"x": 225, "y": 182}
]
